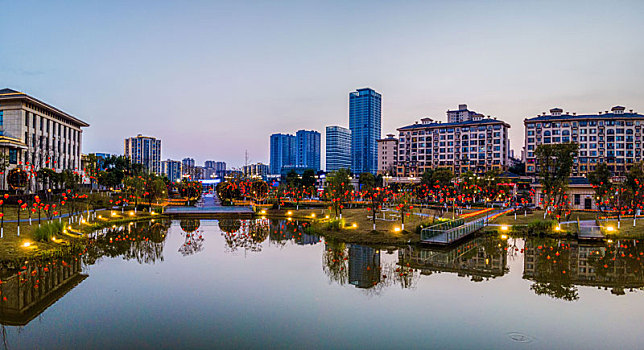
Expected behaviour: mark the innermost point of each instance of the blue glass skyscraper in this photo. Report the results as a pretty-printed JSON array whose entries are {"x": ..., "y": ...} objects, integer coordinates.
[
  {"x": 283, "y": 152},
  {"x": 364, "y": 123},
  {"x": 308, "y": 149},
  {"x": 338, "y": 148}
]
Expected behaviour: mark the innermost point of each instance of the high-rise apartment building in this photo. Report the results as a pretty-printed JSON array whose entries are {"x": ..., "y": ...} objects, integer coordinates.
[
  {"x": 388, "y": 155},
  {"x": 188, "y": 162},
  {"x": 171, "y": 169},
  {"x": 34, "y": 133},
  {"x": 218, "y": 168},
  {"x": 338, "y": 148},
  {"x": 308, "y": 149},
  {"x": 283, "y": 152},
  {"x": 189, "y": 168},
  {"x": 256, "y": 170},
  {"x": 364, "y": 123},
  {"x": 144, "y": 150},
  {"x": 462, "y": 114},
  {"x": 612, "y": 137},
  {"x": 477, "y": 146}
]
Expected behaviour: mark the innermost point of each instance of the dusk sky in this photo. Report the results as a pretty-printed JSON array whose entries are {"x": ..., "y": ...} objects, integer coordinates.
[{"x": 214, "y": 79}]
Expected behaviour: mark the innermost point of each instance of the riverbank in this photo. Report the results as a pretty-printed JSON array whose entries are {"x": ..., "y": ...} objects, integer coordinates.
[
  {"x": 14, "y": 246},
  {"x": 356, "y": 225}
]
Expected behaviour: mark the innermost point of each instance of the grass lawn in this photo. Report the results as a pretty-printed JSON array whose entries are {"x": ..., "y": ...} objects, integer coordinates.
[
  {"x": 538, "y": 215},
  {"x": 626, "y": 230}
]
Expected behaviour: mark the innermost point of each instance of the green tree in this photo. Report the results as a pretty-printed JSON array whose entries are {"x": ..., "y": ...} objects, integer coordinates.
[
  {"x": 518, "y": 168},
  {"x": 111, "y": 178},
  {"x": 155, "y": 189},
  {"x": 635, "y": 176},
  {"x": 367, "y": 181},
  {"x": 442, "y": 177},
  {"x": 134, "y": 188},
  {"x": 555, "y": 165},
  {"x": 259, "y": 190},
  {"x": 91, "y": 169},
  {"x": 600, "y": 179},
  {"x": 293, "y": 179},
  {"x": 403, "y": 204},
  {"x": 427, "y": 178},
  {"x": 45, "y": 177},
  {"x": 70, "y": 180},
  {"x": 375, "y": 197},
  {"x": 308, "y": 181},
  {"x": 338, "y": 190},
  {"x": 635, "y": 184},
  {"x": 278, "y": 193},
  {"x": 308, "y": 178}
]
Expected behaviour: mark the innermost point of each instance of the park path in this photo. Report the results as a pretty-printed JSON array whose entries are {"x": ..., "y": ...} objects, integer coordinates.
[{"x": 44, "y": 218}]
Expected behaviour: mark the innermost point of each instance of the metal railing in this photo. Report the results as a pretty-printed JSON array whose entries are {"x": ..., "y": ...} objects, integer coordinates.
[
  {"x": 438, "y": 229},
  {"x": 453, "y": 234}
]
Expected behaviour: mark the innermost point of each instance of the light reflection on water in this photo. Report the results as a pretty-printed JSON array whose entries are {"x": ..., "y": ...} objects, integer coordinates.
[{"x": 259, "y": 283}]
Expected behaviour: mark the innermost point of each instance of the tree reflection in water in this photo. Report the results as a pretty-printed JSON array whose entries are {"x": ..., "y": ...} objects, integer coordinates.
[
  {"x": 282, "y": 231},
  {"x": 361, "y": 267},
  {"x": 334, "y": 262},
  {"x": 246, "y": 235},
  {"x": 558, "y": 267},
  {"x": 552, "y": 267},
  {"x": 142, "y": 242},
  {"x": 193, "y": 239}
]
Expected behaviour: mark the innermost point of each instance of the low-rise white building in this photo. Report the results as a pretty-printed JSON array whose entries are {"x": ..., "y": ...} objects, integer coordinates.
[{"x": 36, "y": 135}]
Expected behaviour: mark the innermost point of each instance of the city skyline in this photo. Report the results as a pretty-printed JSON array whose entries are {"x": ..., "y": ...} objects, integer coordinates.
[{"x": 526, "y": 59}]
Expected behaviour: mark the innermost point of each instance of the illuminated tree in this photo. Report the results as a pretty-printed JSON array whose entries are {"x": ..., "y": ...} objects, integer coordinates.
[
  {"x": 402, "y": 199},
  {"x": 338, "y": 190},
  {"x": 600, "y": 179},
  {"x": 555, "y": 164},
  {"x": 376, "y": 197}
]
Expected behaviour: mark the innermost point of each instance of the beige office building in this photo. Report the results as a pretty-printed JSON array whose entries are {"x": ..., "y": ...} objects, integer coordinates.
[{"x": 34, "y": 133}]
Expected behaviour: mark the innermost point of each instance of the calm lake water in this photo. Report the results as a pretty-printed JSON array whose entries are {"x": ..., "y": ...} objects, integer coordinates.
[{"x": 267, "y": 284}]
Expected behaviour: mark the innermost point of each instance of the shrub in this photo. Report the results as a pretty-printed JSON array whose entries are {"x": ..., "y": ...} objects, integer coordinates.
[
  {"x": 46, "y": 231},
  {"x": 142, "y": 207},
  {"x": 539, "y": 227},
  {"x": 335, "y": 224},
  {"x": 96, "y": 200}
]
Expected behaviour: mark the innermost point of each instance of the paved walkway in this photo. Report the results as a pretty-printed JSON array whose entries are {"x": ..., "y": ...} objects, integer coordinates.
[{"x": 589, "y": 230}]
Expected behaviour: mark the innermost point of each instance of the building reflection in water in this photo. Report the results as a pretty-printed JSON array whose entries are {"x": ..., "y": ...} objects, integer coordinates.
[
  {"x": 558, "y": 267},
  {"x": 38, "y": 286},
  {"x": 27, "y": 291},
  {"x": 364, "y": 266},
  {"x": 480, "y": 258}
]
